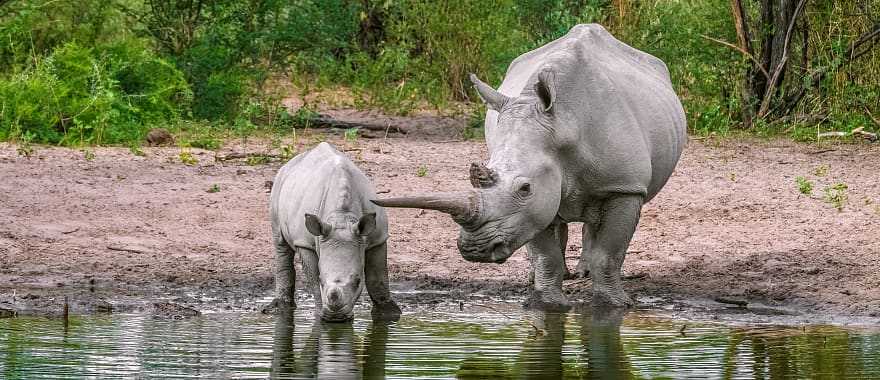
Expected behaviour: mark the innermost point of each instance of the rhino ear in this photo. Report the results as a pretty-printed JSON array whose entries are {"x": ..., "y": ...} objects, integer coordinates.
[
  {"x": 367, "y": 224},
  {"x": 316, "y": 226},
  {"x": 545, "y": 87},
  {"x": 493, "y": 99}
]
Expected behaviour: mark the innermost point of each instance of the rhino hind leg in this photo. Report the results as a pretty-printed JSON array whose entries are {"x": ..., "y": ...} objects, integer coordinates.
[
  {"x": 620, "y": 215},
  {"x": 583, "y": 267},
  {"x": 548, "y": 265}
]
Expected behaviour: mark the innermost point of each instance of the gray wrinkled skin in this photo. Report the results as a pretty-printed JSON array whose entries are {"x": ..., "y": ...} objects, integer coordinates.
[
  {"x": 320, "y": 209},
  {"x": 583, "y": 129}
]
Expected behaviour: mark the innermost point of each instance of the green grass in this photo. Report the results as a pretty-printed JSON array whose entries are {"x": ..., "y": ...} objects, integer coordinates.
[
  {"x": 836, "y": 195},
  {"x": 422, "y": 171},
  {"x": 804, "y": 186}
]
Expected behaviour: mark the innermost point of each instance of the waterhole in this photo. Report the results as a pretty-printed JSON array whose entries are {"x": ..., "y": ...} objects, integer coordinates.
[{"x": 478, "y": 343}]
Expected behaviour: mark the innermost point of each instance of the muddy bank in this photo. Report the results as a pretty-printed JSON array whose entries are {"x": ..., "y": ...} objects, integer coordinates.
[{"x": 730, "y": 223}]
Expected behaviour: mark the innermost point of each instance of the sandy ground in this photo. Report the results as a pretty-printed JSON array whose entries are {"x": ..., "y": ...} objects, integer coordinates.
[{"x": 731, "y": 222}]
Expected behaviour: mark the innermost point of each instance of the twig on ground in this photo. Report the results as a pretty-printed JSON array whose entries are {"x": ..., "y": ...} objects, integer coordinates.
[
  {"x": 71, "y": 231},
  {"x": 731, "y": 301},
  {"x": 822, "y": 151},
  {"x": 240, "y": 155},
  {"x": 125, "y": 249}
]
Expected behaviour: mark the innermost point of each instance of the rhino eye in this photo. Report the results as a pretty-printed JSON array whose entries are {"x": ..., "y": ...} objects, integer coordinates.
[{"x": 525, "y": 189}]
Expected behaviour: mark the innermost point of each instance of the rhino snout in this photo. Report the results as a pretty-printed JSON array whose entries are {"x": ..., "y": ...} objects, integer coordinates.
[
  {"x": 497, "y": 253},
  {"x": 333, "y": 300}
]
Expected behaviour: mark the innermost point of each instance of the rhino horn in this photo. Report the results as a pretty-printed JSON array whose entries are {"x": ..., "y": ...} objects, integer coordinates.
[
  {"x": 482, "y": 176},
  {"x": 463, "y": 206},
  {"x": 494, "y": 99}
]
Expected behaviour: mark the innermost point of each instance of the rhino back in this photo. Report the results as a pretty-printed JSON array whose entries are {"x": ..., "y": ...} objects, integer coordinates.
[
  {"x": 319, "y": 182},
  {"x": 615, "y": 109}
]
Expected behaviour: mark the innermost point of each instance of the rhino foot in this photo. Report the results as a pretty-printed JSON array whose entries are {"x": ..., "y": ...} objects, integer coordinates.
[
  {"x": 547, "y": 301},
  {"x": 617, "y": 298},
  {"x": 582, "y": 270},
  {"x": 278, "y": 305},
  {"x": 388, "y": 311}
]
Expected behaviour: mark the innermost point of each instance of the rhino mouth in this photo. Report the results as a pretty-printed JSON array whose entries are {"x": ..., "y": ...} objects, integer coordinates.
[{"x": 498, "y": 252}]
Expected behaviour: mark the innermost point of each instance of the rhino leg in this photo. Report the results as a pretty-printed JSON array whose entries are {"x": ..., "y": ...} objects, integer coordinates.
[
  {"x": 548, "y": 263},
  {"x": 285, "y": 277},
  {"x": 619, "y": 219},
  {"x": 376, "y": 273},
  {"x": 583, "y": 267},
  {"x": 562, "y": 236},
  {"x": 310, "y": 268}
]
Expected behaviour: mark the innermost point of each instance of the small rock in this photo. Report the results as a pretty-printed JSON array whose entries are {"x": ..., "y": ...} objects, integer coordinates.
[
  {"x": 173, "y": 310},
  {"x": 102, "y": 306},
  {"x": 158, "y": 137},
  {"x": 6, "y": 312}
]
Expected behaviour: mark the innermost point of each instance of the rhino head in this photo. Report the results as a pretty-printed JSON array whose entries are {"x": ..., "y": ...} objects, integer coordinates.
[
  {"x": 517, "y": 194},
  {"x": 340, "y": 247}
]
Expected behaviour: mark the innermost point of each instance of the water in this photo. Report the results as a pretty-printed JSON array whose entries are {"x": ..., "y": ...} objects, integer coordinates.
[{"x": 478, "y": 343}]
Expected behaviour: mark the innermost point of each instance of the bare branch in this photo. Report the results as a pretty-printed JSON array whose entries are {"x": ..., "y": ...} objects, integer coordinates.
[
  {"x": 768, "y": 95},
  {"x": 741, "y": 50}
]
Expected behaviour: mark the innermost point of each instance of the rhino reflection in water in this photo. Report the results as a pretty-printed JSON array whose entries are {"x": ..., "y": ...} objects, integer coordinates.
[
  {"x": 330, "y": 351},
  {"x": 583, "y": 129}
]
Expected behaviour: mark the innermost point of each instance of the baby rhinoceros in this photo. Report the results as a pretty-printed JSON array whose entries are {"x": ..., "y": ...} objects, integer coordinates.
[{"x": 320, "y": 208}]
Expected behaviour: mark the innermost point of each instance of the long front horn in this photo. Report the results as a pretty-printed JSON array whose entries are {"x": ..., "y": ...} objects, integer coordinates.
[{"x": 463, "y": 206}]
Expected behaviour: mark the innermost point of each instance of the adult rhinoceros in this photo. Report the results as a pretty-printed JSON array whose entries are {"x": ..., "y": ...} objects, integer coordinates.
[{"x": 583, "y": 129}]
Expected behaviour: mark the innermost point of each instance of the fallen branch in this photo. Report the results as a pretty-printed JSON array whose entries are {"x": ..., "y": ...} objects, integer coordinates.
[
  {"x": 324, "y": 121},
  {"x": 860, "y": 132},
  {"x": 240, "y": 155},
  {"x": 125, "y": 249},
  {"x": 731, "y": 301}
]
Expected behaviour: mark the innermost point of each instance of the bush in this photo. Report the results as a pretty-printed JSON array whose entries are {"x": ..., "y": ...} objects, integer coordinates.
[{"x": 80, "y": 95}]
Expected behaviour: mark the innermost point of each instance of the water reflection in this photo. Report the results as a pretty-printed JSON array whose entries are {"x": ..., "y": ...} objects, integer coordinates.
[
  {"x": 330, "y": 350},
  {"x": 587, "y": 344}
]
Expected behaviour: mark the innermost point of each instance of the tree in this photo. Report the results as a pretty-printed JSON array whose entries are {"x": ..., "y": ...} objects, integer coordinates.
[{"x": 777, "y": 47}]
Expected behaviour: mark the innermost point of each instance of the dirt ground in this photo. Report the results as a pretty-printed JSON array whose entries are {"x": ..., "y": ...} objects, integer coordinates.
[{"x": 730, "y": 223}]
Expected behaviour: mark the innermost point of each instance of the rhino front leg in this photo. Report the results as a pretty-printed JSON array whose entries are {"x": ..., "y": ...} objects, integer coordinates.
[
  {"x": 583, "y": 267},
  {"x": 376, "y": 273},
  {"x": 309, "y": 260},
  {"x": 285, "y": 278},
  {"x": 548, "y": 263},
  {"x": 562, "y": 237},
  {"x": 620, "y": 215}
]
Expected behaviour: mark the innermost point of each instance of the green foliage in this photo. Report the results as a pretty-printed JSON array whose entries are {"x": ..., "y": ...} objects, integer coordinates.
[
  {"x": 135, "y": 149},
  {"x": 207, "y": 143},
  {"x": 287, "y": 152},
  {"x": 258, "y": 159},
  {"x": 215, "y": 188},
  {"x": 422, "y": 171},
  {"x": 105, "y": 71},
  {"x": 804, "y": 185},
  {"x": 187, "y": 158},
  {"x": 351, "y": 135},
  {"x": 80, "y": 95},
  {"x": 836, "y": 195}
]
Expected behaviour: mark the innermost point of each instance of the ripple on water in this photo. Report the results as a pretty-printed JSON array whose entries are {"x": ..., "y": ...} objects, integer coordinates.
[{"x": 426, "y": 344}]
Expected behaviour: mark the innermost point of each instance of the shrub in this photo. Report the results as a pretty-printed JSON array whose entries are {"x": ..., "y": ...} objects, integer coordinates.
[{"x": 81, "y": 95}]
